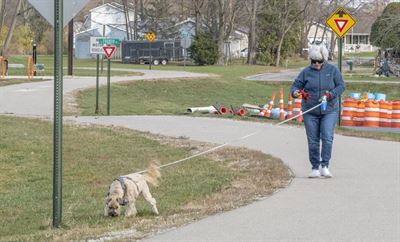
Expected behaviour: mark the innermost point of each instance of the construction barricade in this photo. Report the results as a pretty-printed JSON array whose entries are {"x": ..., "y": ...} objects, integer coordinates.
[
  {"x": 359, "y": 116},
  {"x": 385, "y": 113},
  {"x": 395, "y": 120},
  {"x": 349, "y": 111},
  {"x": 371, "y": 115}
]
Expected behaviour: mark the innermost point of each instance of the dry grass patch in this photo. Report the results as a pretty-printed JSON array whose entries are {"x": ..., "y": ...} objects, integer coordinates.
[{"x": 260, "y": 175}]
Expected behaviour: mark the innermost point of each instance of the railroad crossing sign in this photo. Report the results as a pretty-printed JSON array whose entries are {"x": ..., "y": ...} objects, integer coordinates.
[
  {"x": 109, "y": 50},
  {"x": 150, "y": 36},
  {"x": 340, "y": 21}
]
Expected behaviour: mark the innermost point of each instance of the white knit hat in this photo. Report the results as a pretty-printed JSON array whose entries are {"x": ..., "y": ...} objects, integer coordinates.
[{"x": 318, "y": 52}]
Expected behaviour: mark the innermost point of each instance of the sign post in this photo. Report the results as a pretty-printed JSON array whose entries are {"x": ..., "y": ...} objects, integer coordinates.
[
  {"x": 340, "y": 22},
  {"x": 185, "y": 43},
  {"x": 58, "y": 104},
  {"x": 97, "y": 83},
  {"x": 150, "y": 36},
  {"x": 96, "y": 47},
  {"x": 58, "y": 14},
  {"x": 109, "y": 51}
]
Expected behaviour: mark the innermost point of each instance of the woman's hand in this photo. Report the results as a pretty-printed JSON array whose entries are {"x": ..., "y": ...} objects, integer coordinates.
[{"x": 305, "y": 95}]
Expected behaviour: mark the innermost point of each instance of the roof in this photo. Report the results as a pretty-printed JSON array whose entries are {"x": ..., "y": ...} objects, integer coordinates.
[
  {"x": 116, "y": 6},
  {"x": 363, "y": 24}
]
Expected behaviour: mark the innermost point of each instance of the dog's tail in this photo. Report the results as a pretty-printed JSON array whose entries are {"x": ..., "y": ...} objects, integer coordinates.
[{"x": 152, "y": 173}]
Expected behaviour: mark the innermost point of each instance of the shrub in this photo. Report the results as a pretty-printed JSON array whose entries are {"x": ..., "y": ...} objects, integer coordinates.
[{"x": 204, "y": 50}]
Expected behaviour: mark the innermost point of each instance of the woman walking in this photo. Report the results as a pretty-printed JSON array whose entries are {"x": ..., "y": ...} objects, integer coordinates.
[{"x": 317, "y": 81}]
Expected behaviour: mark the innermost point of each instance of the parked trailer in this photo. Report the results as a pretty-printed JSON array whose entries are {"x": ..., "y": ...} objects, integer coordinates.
[{"x": 162, "y": 51}]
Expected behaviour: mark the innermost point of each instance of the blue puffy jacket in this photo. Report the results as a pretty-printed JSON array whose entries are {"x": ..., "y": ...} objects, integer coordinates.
[{"x": 316, "y": 83}]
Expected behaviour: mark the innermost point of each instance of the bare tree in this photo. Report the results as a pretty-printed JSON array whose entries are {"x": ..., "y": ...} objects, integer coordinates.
[
  {"x": 11, "y": 29},
  {"x": 252, "y": 10},
  {"x": 288, "y": 16},
  {"x": 2, "y": 13},
  {"x": 127, "y": 22},
  {"x": 220, "y": 20},
  {"x": 198, "y": 8},
  {"x": 135, "y": 20}
]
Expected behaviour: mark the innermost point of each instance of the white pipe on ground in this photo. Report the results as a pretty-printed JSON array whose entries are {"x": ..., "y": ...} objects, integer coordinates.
[{"x": 209, "y": 109}]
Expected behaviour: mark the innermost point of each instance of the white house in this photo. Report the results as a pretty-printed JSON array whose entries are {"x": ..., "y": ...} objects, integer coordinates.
[
  {"x": 237, "y": 41},
  {"x": 106, "y": 20},
  {"x": 320, "y": 33},
  {"x": 358, "y": 38}
]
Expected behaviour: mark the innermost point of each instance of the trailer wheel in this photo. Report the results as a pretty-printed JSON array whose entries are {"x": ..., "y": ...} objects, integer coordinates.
[
  {"x": 164, "y": 62},
  {"x": 156, "y": 62}
]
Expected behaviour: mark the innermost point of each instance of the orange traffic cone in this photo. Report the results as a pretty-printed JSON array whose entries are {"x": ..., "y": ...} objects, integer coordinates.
[
  {"x": 270, "y": 106},
  {"x": 290, "y": 106},
  {"x": 281, "y": 104},
  {"x": 297, "y": 109}
]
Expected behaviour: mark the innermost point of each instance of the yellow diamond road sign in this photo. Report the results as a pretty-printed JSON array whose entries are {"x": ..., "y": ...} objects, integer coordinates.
[
  {"x": 150, "y": 36},
  {"x": 340, "y": 21}
]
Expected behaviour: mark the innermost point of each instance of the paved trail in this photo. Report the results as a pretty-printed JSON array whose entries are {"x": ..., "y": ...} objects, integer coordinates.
[{"x": 361, "y": 202}]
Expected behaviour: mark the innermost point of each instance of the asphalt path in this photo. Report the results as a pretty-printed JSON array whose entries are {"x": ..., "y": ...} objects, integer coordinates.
[{"x": 361, "y": 202}]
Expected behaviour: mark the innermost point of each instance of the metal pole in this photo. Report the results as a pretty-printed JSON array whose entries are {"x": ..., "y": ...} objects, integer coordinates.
[
  {"x": 70, "y": 46},
  {"x": 340, "y": 69},
  {"x": 34, "y": 56},
  {"x": 57, "y": 132},
  {"x": 151, "y": 57},
  {"x": 108, "y": 87},
  {"x": 184, "y": 58},
  {"x": 97, "y": 84}
]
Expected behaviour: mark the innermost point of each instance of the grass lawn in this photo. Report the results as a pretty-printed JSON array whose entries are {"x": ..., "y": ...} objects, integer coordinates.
[{"x": 92, "y": 158}]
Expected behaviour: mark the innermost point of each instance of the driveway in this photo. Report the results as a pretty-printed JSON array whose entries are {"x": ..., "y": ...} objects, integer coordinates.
[{"x": 361, "y": 202}]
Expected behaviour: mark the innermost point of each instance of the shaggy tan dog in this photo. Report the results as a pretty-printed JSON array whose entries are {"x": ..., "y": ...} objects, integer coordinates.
[{"x": 125, "y": 189}]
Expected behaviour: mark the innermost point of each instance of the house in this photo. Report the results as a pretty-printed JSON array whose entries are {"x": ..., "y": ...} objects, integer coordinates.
[
  {"x": 237, "y": 41},
  {"x": 105, "y": 20},
  {"x": 358, "y": 38},
  {"x": 320, "y": 33}
]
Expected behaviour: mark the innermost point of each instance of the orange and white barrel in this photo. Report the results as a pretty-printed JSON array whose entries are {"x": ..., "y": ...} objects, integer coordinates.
[
  {"x": 395, "y": 121},
  {"x": 371, "y": 118},
  {"x": 385, "y": 113},
  {"x": 359, "y": 115},
  {"x": 349, "y": 111}
]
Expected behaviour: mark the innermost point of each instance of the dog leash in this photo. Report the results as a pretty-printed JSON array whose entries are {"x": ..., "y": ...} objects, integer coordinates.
[{"x": 232, "y": 141}]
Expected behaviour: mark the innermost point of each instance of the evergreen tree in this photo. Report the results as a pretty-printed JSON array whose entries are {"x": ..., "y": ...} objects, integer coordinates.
[
  {"x": 385, "y": 32},
  {"x": 204, "y": 50}
]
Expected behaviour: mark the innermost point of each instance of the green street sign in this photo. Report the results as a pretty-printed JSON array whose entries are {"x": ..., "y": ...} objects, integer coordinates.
[{"x": 109, "y": 41}]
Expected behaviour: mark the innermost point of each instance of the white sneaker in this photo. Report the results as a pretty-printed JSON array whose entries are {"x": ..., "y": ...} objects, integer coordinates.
[
  {"x": 325, "y": 172},
  {"x": 314, "y": 174}
]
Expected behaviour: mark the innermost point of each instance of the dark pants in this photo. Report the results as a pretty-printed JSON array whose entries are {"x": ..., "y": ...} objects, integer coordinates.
[{"x": 320, "y": 127}]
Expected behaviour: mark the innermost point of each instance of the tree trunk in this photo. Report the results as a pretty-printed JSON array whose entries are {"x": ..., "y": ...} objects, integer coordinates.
[
  {"x": 126, "y": 12},
  {"x": 198, "y": 5},
  {"x": 278, "y": 52},
  {"x": 11, "y": 29},
  {"x": 2, "y": 16},
  {"x": 135, "y": 21},
  {"x": 251, "y": 54}
]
